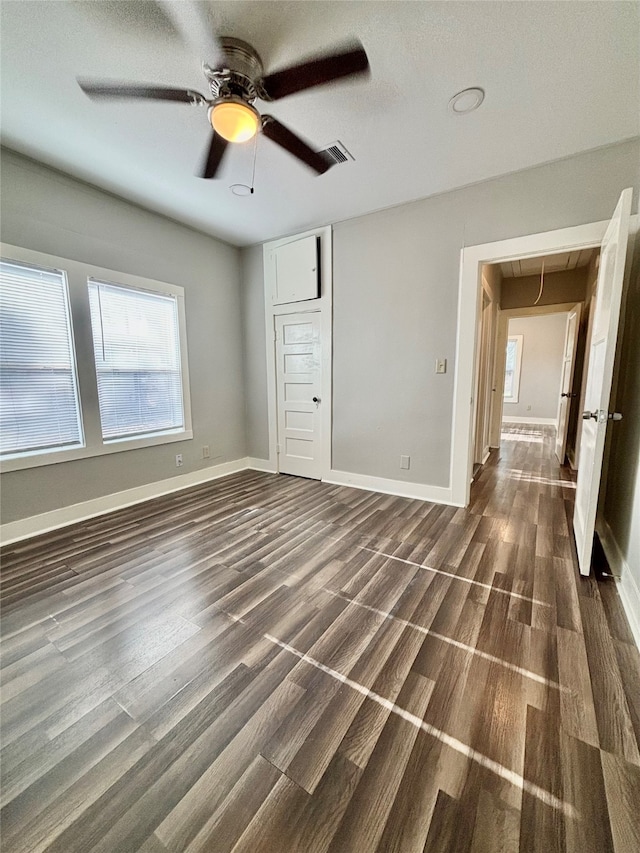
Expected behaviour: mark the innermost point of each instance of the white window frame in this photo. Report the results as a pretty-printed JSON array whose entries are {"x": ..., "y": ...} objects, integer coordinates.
[
  {"x": 515, "y": 396},
  {"x": 78, "y": 274},
  {"x": 53, "y": 448}
]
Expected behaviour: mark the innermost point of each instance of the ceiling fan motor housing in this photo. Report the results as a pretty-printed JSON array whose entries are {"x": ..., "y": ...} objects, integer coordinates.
[{"x": 238, "y": 74}]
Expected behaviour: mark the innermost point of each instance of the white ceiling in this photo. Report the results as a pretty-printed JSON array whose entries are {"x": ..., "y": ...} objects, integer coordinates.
[{"x": 559, "y": 78}]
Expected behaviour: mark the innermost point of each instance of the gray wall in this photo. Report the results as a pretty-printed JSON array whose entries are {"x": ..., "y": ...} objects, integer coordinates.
[
  {"x": 541, "y": 366},
  {"x": 395, "y": 302},
  {"x": 255, "y": 368},
  {"x": 46, "y": 211},
  {"x": 395, "y": 305}
]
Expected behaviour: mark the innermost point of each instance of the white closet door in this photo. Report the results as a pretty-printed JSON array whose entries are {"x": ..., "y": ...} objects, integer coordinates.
[{"x": 299, "y": 380}]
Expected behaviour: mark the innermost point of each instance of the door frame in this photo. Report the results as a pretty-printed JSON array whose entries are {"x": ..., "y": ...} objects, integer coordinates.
[
  {"x": 472, "y": 259},
  {"x": 502, "y": 334},
  {"x": 323, "y": 305},
  {"x": 569, "y": 402},
  {"x": 483, "y": 383}
]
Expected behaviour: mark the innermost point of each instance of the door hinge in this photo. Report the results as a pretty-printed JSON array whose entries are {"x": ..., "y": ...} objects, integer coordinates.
[
  {"x": 275, "y": 334},
  {"x": 277, "y": 448}
]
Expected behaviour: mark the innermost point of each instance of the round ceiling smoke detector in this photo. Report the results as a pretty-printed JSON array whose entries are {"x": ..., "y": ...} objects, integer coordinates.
[{"x": 466, "y": 101}]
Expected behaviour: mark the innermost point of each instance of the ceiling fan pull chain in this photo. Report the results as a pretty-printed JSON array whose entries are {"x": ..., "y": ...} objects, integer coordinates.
[{"x": 255, "y": 154}]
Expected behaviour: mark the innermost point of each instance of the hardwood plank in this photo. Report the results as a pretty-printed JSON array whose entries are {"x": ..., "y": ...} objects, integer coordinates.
[
  {"x": 497, "y": 825},
  {"x": 576, "y": 701},
  {"x": 615, "y": 726},
  {"x": 583, "y": 785},
  {"x": 622, "y": 787},
  {"x": 364, "y": 820},
  {"x": 542, "y": 825},
  {"x": 225, "y": 826}
]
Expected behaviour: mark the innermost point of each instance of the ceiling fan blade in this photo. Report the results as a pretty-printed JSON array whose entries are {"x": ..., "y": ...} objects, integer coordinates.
[
  {"x": 214, "y": 156},
  {"x": 192, "y": 19},
  {"x": 316, "y": 72},
  {"x": 282, "y": 136},
  {"x": 103, "y": 89}
]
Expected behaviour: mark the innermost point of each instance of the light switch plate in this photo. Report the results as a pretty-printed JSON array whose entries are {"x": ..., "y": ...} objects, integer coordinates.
[
  {"x": 441, "y": 365},
  {"x": 404, "y": 462}
]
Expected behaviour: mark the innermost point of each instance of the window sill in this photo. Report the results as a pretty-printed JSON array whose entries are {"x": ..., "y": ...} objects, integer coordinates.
[{"x": 53, "y": 457}]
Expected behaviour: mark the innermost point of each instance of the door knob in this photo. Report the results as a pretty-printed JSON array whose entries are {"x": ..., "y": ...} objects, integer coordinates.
[
  {"x": 602, "y": 416},
  {"x": 316, "y": 399},
  {"x": 569, "y": 395}
]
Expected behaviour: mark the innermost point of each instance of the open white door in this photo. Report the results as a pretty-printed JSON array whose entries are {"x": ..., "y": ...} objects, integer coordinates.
[
  {"x": 566, "y": 389},
  {"x": 599, "y": 376}
]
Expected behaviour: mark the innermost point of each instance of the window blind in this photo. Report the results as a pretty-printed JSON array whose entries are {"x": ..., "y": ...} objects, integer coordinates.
[
  {"x": 39, "y": 404},
  {"x": 136, "y": 344}
]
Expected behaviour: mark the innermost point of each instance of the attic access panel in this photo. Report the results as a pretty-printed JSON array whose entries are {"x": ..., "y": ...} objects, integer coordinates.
[{"x": 297, "y": 271}]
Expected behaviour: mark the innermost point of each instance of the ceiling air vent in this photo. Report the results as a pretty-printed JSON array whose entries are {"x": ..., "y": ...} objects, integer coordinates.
[{"x": 337, "y": 153}]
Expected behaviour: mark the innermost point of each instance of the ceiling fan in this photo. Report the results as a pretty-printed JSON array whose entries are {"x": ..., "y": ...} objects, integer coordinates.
[{"x": 236, "y": 81}]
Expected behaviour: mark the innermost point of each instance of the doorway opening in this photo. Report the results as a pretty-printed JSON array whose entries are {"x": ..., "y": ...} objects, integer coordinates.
[
  {"x": 612, "y": 238},
  {"x": 532, "y": 337}
]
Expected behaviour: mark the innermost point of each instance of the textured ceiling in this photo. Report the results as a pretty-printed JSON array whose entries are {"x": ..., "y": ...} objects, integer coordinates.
[{"x": 559, "y": 78}]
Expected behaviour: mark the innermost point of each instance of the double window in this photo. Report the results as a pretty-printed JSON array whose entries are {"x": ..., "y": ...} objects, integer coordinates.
[{"x": 89, "y": 363}]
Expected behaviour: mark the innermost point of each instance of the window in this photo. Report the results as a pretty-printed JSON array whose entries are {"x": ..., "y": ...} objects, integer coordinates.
[
  {"x": 512, "y": 369},
  {"x": 39, "y": 402},
  {"x": 136, "y": 346},
  {"x": 93, "y": 361}
]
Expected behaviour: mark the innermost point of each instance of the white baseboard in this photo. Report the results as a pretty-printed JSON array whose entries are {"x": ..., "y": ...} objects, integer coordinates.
[
  {"x": 418, "y": 491},
  {"x": 24, "y": 528},
  {"x": 626, "y": 583},
  {"x": 14, "y": 531},
  {"x": 264, "y": 465},
  {"x": 517, "y": 420}
]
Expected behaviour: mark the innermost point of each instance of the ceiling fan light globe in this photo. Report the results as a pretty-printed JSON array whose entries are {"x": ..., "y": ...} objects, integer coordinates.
[{"x": 234, "y": 120}]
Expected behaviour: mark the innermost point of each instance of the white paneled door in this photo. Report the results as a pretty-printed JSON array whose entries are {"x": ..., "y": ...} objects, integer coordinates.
[
  {"x": 298, "y": 377},
  {"x": 599, "y": 377},
  {"x": 566, "y": 389}
]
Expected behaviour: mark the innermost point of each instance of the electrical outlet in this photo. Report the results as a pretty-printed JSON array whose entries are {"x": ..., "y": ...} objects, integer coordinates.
[
  {"x": 205, "y": 452},
  {"x": 179, "y": 462},
  {"x": 441, "y": 366},
  {"x": 404, "y": 462},
  {"x": 528, "y": 408}
]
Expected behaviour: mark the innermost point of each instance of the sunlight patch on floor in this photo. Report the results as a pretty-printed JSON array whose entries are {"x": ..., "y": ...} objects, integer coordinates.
[
  {"x": 505, "y": 773},
  {"x": 470, "y": 649},
  {"x": 456, "y": 577},
  {"x": 522, "y": 476},
  {"x": 515, "y": 436}
]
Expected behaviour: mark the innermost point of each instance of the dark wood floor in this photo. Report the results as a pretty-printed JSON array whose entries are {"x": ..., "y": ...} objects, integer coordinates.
[{"x": 268, "y": 664}]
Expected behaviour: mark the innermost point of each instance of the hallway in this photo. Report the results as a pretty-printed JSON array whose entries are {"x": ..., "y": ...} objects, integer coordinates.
[{"x": 277, "y": 665}]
